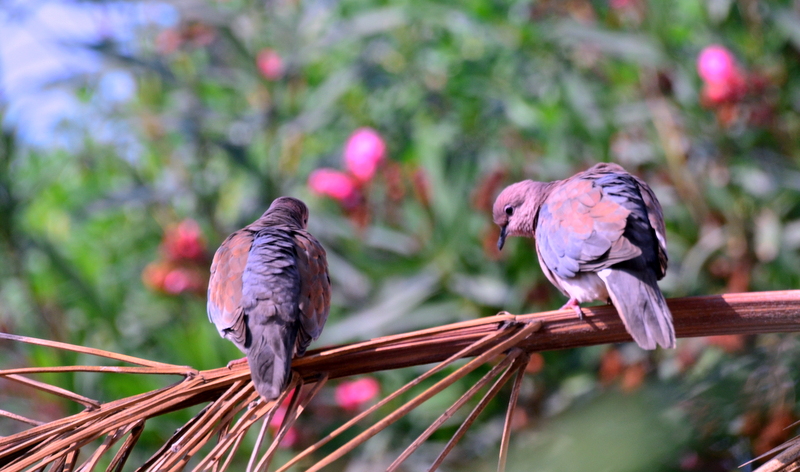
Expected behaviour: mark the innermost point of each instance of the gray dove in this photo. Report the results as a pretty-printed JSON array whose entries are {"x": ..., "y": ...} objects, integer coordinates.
[
  {"x": 599, "y": 236},
  {"x": 269, "y": 292}
]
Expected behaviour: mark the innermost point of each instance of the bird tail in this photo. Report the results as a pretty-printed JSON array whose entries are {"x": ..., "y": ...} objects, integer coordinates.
[
  {"x": 641, "y": 306},
  {"x": 270, "y": 357}
]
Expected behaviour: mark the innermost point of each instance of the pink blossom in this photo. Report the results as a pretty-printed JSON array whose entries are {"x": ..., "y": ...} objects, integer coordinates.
[
  {"x": 177, "y": 281},
  {"x": 173, "y": 280},
  {"x": 184, "y": 242},
  {"x": 270, "y": 64},
  {"x": 334, "y": 184},
  {"x": 716, "y": 92},
  {"x": 365, "y": 149},
  {"x": 353, "y": 394},
  {"x": 716, "y": 64},
  {"x": 723, "y": 80}
]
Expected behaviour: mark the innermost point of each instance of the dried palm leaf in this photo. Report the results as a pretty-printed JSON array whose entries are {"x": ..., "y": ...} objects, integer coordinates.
[{"x": 233, "y": 407}]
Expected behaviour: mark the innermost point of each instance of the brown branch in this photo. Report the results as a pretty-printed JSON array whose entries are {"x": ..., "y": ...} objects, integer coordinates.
[
  {"x": 54, "y": 390},
  {"x": 20, "y": 418},
  {"x": 295, "y": 384},
  {"x": 103, "y": 369},
  {"x": 386, "y": 400},
  {"x": 488, "y": 377},
  {"x": 125, "y": 450},
  {"x": 784, "y": 461},
  {"x": 92, "y": 351},
  {"x": 425, "y": 396},
  {"x": 512, "y": 403},
  {"x": 462, "y": 430},
  {"x": 737, "y": 313},
  {"x": 484, "y": 339}
]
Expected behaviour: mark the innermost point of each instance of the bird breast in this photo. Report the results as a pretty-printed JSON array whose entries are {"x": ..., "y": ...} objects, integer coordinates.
[{"x": 584, "y": 287}]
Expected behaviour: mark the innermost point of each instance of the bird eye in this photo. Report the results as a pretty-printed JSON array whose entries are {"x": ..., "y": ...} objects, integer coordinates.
[{"x": 509, "y": 210}]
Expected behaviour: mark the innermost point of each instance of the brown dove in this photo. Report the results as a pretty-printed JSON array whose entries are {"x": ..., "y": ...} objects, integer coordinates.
[
  {"x": 599, "y": 236},
  {"x": 270, "y": 293}
]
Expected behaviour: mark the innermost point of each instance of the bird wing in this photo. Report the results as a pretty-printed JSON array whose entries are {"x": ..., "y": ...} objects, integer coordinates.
[
  {"x": 225, "y": 286},
  {"x": 315, "y": 289},
  {"x": 592, "y": 221},
  {"x": 655, "y": 216}
]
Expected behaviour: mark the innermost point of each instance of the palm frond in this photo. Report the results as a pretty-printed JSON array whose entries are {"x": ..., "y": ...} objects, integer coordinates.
[{"x": 233, "y": 407}]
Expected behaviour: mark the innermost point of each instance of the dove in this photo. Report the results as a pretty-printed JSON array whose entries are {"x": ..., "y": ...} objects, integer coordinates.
[
  {"x": 599, "y": 235},
  {"x": 269, "y": 292}
]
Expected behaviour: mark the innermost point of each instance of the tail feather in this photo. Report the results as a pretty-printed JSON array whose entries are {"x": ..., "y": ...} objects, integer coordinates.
[
  {"x": 270, "y": 357},
  {"x": 641, "y": 306}
]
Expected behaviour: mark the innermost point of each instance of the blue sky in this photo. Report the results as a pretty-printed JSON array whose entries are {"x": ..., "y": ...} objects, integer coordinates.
[{"x": 43, "y": 60}]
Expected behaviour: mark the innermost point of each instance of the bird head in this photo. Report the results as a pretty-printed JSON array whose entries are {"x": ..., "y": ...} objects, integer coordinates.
[
  {"x": 288, "y": 210},
  {"x": 515, "y": 208}
]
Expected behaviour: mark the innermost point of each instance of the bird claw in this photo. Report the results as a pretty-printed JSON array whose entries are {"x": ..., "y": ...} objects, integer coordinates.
[{"x": 576, "y": 307}]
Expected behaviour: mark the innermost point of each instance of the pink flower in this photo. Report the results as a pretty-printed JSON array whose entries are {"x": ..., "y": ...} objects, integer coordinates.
[
  {"x": 166, "y": 277},
  {"x": 334, "y": 184},
  {"x": 184, "y": 242},
  {"x": 353, "y": 394},
  {"x": 723, "y": 79},
  {"x": 270, "y": 64},
  {"x": 716, "y": 64},
  {"x": 177, "y": 281},
  {"x": 365, "y": 149},
  {"x": 716, "y": 92}
]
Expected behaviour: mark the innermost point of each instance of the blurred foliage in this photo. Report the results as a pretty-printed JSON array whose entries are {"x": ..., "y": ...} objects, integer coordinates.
[{"x": 468, "y": 97}]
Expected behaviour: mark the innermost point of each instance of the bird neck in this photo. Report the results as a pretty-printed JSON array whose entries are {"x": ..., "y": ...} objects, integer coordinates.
[
  {"x": 529, "y": 210},
  {"x": 278, "y": 217}
]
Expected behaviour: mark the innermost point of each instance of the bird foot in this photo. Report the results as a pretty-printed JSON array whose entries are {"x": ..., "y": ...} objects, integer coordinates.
[
  {"x": 236, "y": 362},
  {"x": 573, "y": 303}
]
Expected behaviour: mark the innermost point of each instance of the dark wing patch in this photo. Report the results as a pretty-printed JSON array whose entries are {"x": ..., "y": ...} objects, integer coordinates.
[
  {"x": 315, "y": 290},
  {"x": 225, "y": 286},
  {"x": 655, "y": 216}
]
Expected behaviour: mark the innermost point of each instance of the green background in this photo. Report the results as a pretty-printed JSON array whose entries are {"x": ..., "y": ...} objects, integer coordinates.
[{"x": 469, "y": 97}]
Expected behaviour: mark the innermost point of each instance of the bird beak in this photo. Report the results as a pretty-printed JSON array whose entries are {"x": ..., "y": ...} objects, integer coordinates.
[{"x": 501, "y": 241}]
